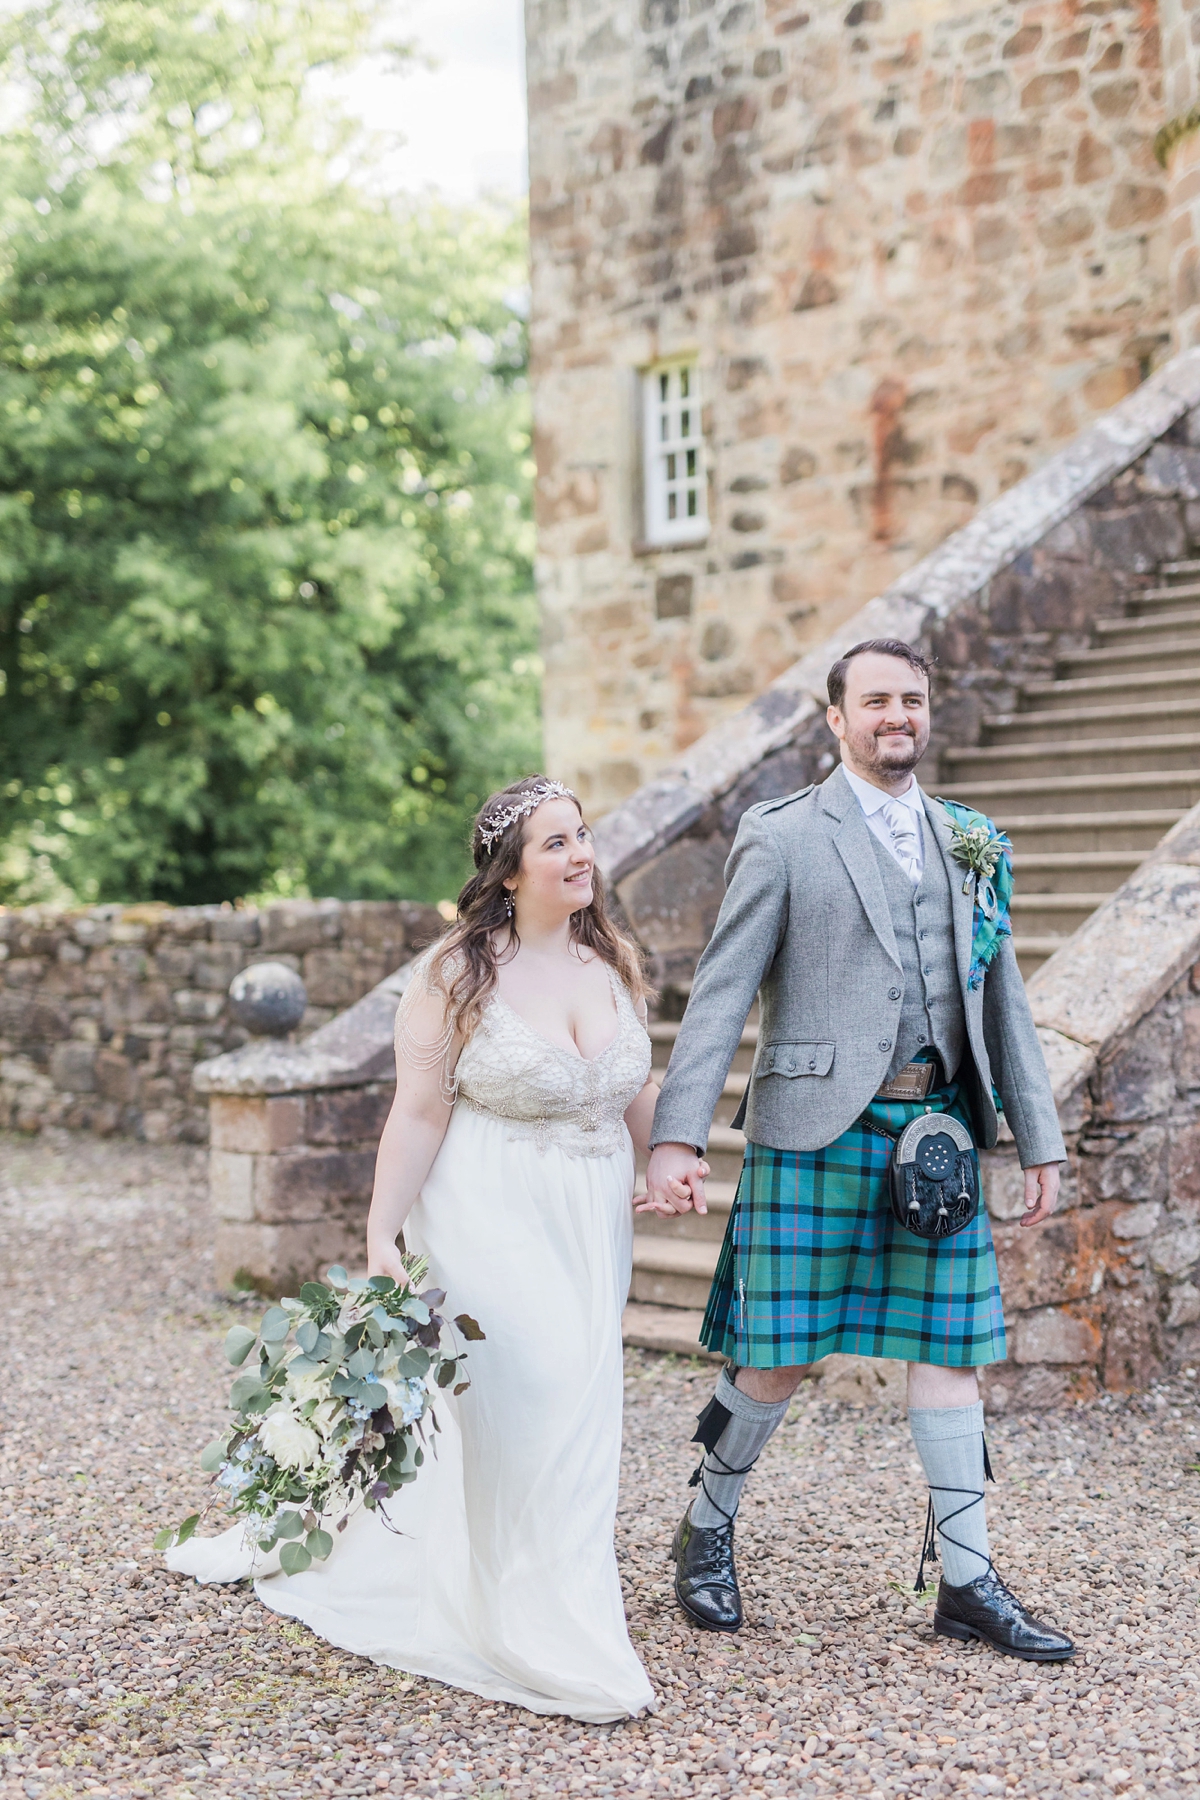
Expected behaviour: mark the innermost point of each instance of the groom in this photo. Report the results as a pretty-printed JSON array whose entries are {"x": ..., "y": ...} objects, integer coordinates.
[{"x": 881, "y": 1000}]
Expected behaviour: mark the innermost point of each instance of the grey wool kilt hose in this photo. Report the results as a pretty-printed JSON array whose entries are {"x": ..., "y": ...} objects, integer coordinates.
[{"x": 813, "y": 1262}]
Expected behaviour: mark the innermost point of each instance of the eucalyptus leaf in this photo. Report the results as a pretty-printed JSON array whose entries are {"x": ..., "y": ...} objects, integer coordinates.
[
  {"x": 376, "y": 1332},
  {"x": 275, "y": 1325},
  {"x": 294, "y": 1559},
  {"x": 187, "y": 1528},
  {"x": 318, "y": 1543},
  {"x": 164, "y": 1538},
  {"x": 244, "y": 1390},
  {"x": 336, "y": 1277},
  {"x": 288, "y": 1525},
  {"x": 302, "y": 1365},
  {"x": 314, "y": 1293},
  {"x": 413, "y": 1308},
  {"x": 307, "y": 1333},
  {"x": 414, "y": 1363},
  {"x": 344, "y": 1386},
  {"x": 213, "y": 1455},
  {"x": 355, "y": 1284},
  {"x": 461, "y": 1388},
  {"x": 447, "y": 1372},
  {"x": 470, "y": 1330},
  {"x": 238, "y": 1344},
  {"x": 362, "y": 1362},
  {"x": 382, "y": 1284}
]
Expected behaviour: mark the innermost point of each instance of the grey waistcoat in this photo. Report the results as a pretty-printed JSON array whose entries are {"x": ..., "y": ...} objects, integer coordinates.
[{"x": 931, "y": 1012}]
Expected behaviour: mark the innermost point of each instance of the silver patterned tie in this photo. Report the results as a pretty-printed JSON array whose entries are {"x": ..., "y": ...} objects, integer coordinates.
[{"x": 906, "y": 845}]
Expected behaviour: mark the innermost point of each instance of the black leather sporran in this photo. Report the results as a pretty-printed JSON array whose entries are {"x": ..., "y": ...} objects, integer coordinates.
[{"x": 933, "y": 1176}]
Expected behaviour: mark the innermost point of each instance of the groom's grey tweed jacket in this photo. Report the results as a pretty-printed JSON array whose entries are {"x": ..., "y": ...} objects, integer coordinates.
[{"x": 806, "y": 924}]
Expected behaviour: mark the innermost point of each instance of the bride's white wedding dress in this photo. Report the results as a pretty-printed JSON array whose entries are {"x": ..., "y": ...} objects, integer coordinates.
[{"x": 505, "y": 1579}]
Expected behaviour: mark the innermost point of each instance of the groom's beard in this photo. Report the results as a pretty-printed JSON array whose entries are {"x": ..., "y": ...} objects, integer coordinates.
[{"x": 891, "y": 754}]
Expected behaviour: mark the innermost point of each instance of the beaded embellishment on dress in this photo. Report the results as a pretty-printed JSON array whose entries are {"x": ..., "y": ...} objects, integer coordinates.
[{"x": 546, "y": 1093}]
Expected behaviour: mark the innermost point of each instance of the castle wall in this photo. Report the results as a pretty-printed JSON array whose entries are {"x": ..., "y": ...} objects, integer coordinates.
[{"x": 915, "y": 251}]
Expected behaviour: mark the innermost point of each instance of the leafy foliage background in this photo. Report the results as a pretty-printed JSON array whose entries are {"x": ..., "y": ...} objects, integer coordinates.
[{"x": 266, "y": 611}]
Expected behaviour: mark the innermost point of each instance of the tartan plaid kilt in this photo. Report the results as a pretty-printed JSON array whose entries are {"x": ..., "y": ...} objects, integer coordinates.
[{"x": 813, "y": 1261}]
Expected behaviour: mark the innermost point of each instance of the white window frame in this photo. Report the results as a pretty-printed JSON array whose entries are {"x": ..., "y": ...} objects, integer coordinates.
[{"x": 674, "y": 478}]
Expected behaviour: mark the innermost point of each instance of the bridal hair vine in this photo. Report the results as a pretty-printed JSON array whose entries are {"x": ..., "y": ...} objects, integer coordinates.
[{"x": 496, "y": 824}]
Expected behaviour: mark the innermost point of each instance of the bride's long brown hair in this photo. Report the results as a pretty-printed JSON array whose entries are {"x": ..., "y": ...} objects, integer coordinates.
[{"x": 462, "y": 965}]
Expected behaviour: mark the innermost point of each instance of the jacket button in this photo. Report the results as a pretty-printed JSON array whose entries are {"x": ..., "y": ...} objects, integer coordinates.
[
  {"x": 885, "y": 1043},
  {"x": 893, "y": 993}
]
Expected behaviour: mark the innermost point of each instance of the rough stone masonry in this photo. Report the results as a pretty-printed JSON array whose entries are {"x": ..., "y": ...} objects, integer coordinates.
[{"x": 914, "y": 248}]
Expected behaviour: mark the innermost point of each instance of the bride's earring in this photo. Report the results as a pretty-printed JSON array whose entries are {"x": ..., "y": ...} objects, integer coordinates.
[{"x": 510, "y": 905}]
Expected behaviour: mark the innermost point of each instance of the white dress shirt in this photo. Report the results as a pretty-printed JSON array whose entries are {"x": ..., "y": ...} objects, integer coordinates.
[{"x": 873, "y": 801}]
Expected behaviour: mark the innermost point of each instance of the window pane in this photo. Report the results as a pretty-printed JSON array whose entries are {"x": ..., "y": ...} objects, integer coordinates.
[
  {"x": 671, "y": 467},
  {"x": 664, "y": 427},
  {"x": 685, "y": 423},
  {"x": 664, "y": 386},
  {"x": 691, "y": 499},
  {"x": 691, "y": 462},
  {"x": 685, "y": 382},
  {"x": 672, "y": 506}
]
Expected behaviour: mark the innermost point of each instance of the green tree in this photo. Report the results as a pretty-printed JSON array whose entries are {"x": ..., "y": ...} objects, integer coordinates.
[{"x": 266, "y": 620}]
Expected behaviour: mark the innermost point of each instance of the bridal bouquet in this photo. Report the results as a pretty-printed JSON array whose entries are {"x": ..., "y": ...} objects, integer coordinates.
[{"x": 331, "y": 1409}]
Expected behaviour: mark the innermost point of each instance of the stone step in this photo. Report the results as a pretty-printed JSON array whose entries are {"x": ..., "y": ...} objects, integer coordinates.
[
  {"x": 1039, "y": 696},
  {"x": 1035, "y": 914},
  {"x": 1138, "y": 718},
  {"x": 1121, "y": 829},
  {"x": 1143, "y": 628},
  {"x": 1056, "y": 871},
  {"x": 1164, "y": 653},
  {"x": 1033, "y": 952},
  {"x": 1189, "y": 565},
  {"x": 670, "y": 1328},
  {"x": 1179, "y": 591},
  {"x": 664, "y": 1032},
  {"x": 672, "y": 1271},
  {"x": 1149, "y": 789},
  {"x": 1111, "y": 755}
]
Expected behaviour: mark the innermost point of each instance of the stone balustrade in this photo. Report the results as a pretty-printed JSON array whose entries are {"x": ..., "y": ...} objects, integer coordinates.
[{"x": 105, "y": 1011}]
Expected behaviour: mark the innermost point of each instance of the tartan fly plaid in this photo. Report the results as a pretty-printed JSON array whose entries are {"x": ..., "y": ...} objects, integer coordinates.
[{"x": 814, "y": 1263}]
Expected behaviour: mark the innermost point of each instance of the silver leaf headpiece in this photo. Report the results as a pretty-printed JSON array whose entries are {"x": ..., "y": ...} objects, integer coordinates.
[{"x": 497, "y": 823}]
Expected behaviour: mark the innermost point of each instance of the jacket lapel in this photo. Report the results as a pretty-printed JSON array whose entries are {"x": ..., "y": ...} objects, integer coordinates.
[
  {"x": 852, "y": 840},
  {"x": 962, "y": 905}
]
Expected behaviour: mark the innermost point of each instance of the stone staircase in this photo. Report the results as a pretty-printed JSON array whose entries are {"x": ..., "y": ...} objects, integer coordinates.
[{"x": 1085, "y": 775}]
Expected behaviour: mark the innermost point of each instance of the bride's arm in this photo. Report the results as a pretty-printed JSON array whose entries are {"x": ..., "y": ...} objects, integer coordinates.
[{"x": 415, "y": 1127}]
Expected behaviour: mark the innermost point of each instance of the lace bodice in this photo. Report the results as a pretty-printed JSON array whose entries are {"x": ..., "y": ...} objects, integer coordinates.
[{"x": 546, "y": 1093}]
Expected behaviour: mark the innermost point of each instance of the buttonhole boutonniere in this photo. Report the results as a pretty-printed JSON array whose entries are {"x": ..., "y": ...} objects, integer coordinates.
[{"x": 979, "y": 849}]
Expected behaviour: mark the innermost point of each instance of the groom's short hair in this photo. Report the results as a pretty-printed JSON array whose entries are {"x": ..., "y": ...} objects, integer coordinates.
[{"x": 836, "y": 680}]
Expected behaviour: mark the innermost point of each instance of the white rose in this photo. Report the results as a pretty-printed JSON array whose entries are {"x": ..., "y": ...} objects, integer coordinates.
[
  {"x": 326, "y": 1416},
  {"x": 292, "y": 1443},
  {"x": 308, "y": 1387}
]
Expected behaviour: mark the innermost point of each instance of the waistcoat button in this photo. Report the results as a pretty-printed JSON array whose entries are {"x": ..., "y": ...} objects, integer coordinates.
[
  {"x": 885, "y": 1043},
  {"x": 893, "y": 993}
]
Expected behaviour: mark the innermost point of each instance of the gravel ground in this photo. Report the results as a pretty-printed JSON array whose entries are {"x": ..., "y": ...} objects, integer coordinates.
[{"x": 116, "y": 1678}]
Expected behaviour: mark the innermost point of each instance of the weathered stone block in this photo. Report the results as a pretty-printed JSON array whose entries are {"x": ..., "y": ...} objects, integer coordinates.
[
  {"x": 269, "y": 1123},
  {"x": 242, "y": 927},
  {"x": 300, "y": 925},
  {"x": 1128, "y": 1168},
  {"x": 197, "y": 1007},
  {"x": 349, "y": 1115},
  {"x": 231, "y": 1184},
  {"x": 373, "y": 925},
  {"x": 1176, "y": 1250},
  {"x": 1048, "y": 1264},
  {"x": 672, "y": 901},
  {"x": 1003, "y": 1185},
  {"x": 114, "y": 1076},
  {"x": 1140, "y": 1081},
  {"x": 1184, "y": 1305},
  {"x": 1052, "y": 1335},
  {"x": 1141, "y": 537},
  {"x": 304, "y": 1184},
  {"x": 1132, "y": 1345},
  {"x": 73, "y": 1068},
  {"x": 277, "y": 1259},
  {"x": 1138, "y": 1222},
  {"x": 340, "y": 977},
  {"x": 216, "y": 965}
]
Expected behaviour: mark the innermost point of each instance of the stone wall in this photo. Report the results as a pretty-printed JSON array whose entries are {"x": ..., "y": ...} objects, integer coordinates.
[
  {"x": 105, "y": 1013},
  {"x": 915, "y": 249},
  {"x": 1011, "y": 629}
]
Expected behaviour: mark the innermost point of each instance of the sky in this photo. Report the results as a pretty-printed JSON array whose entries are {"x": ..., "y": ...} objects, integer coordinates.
[{"x": 463, "y": 119}]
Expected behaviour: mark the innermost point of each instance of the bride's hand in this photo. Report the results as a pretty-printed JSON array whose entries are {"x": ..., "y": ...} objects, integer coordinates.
[
  {"x": 385, "y": 1259},
  {"x": 680, "y": 1192}
]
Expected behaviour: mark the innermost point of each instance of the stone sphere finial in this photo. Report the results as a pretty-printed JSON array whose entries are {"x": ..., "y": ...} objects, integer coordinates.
[{"x": 268, "y": 999}]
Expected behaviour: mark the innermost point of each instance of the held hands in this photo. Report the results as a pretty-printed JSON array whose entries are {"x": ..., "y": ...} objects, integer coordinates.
[
  {"x": 674, "y": 1181},
  {"x": 1041, "y": 1193}
]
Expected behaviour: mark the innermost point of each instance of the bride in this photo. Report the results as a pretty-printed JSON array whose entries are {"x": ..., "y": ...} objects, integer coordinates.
[{"x": 522, "y": 1075}]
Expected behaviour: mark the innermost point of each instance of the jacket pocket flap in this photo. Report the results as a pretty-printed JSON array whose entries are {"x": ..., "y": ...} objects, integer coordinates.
[{"x": 796, "y": 1059}]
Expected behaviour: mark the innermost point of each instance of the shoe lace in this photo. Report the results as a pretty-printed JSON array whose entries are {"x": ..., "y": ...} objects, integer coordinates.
[
  {"x": 935, "y": 1527},
  {"x": 697, "y": 1480}
]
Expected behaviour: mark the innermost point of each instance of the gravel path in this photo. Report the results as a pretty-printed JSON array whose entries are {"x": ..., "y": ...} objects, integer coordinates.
[{"x": 116, "y": 1678}]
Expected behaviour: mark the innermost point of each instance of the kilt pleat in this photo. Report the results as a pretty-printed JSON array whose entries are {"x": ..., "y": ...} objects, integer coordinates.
[{"x": 813, "y": 1263}]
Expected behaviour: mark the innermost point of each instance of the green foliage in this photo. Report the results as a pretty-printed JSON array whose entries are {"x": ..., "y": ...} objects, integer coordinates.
[{"x": 266, "y": 620}]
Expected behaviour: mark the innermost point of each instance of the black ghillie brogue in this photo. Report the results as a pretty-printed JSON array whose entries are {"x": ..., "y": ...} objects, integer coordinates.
[
  {"x": 985, "y": 1609},
  {"x": 706, "y": 1583}
]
